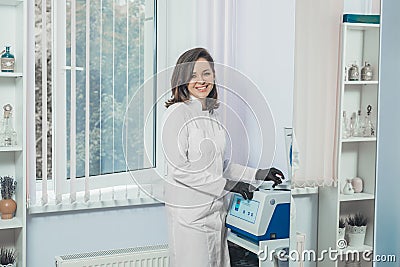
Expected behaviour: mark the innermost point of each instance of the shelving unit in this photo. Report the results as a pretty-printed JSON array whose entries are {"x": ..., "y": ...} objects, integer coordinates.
[
  {"x": 356, "y": 156},
  {"x": 11, "y": 224},
  {"x": 360, "y": 82},
  {"x": 11, "y": 2},
  {"x": 358, "y": 139},
  {"x": 13, "y": 17},
  {"x": 356, "y": 196},
  {"x": 11, "y": 149},
  {"x": 359, "y": 249}
]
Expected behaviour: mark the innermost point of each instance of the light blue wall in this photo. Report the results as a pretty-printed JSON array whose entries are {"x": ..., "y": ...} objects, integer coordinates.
[
  {"x": 388, "y": 172},
  {"x": 50, "y": 235}
]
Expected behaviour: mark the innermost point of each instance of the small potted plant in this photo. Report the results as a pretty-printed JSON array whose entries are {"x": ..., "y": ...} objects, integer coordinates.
[
  {"x": 7, "y": 204},
  {"x": 356, "y": 229},
  {"x": 7, "y": 257},
  {"x": 342, "y": 228}
]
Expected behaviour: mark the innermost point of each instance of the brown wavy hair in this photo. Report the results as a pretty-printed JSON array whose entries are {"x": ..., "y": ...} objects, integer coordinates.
[{"x": 182, "y": 74}]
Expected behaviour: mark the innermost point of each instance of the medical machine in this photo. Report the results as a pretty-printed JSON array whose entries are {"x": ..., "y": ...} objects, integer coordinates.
[{"x": 261, "y": 225}]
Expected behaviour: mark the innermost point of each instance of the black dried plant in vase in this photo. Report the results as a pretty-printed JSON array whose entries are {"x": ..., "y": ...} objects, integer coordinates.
[
  {"x": 342, "y": 223},
  {"x": 8, "y": 186},
  {"x": 7, "y": 256},
  {"x": 357, "y": 220}
]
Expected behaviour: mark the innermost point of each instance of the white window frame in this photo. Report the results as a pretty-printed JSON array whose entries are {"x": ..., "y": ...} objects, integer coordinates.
[{"x": 59, "y": 119}]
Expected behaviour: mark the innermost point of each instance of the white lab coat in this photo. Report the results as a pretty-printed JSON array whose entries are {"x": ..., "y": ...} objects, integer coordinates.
[{"x": 194, "y": 144}]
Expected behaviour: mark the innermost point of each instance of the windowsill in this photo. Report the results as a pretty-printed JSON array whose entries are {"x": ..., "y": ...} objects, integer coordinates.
[
  {"x": 298, "y": 191},
  {"x": 66, "y": 206},
  {"x": 111, "y": 197},
  {"x": 78, "y": 206}
]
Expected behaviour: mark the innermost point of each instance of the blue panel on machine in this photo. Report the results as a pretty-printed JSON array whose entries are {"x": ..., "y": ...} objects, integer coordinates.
[{"x": 278, "y": 228}]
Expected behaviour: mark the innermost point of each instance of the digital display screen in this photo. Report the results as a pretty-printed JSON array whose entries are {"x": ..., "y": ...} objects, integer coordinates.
[{"x": 244, "y": 209}]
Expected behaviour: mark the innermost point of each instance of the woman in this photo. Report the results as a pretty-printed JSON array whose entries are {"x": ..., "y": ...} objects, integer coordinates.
[{"x": 193, "y": 141}]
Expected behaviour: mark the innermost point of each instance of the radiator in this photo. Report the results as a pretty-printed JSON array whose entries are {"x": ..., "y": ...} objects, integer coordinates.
[{"x": 148, "y": 256}]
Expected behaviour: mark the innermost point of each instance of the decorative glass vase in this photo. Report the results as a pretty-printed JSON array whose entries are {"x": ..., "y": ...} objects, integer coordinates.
[
  {"x": 7, "y": 61},
  {"x": 8, "y": 136},
  {"x": 366, "y": 72},
  {"x": 369, "y": 124},
  {"x": 345, "y": 126},
  {"x": 354, "y": 74}
]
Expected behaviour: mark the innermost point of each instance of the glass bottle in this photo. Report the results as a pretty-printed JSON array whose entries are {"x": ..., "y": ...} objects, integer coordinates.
[
  {"x": 358, "y": 126},
  {"x": 366, "y": 72},
  {"x": 352, "y": 125},
  {"x": 345, "y": 127},
  {"x": 354, "y": 74},
  {"x": 369, "y": 125},
  {"x": 8, "y": 134},
  {"x": 7, "y": 61}
]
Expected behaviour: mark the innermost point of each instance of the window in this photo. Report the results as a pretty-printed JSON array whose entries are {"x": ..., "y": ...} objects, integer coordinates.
[{"x": 92, "y": 58}]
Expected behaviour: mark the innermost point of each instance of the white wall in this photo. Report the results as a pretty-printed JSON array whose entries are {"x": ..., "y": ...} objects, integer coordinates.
[
  {"x": 362, "y": 6},
  {"x": 387, "y": 215},
  {"x": 265, "y": 53}
]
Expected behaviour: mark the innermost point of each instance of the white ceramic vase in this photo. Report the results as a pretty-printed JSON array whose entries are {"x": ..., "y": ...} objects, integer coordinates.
[
  {"x": 356, "y": 235},
  {"x": 341, "y": 232},
  {"x": 353, "y": 264},
  {"x": 348, "y": 188},
  {"x": 357, "y": 184}
]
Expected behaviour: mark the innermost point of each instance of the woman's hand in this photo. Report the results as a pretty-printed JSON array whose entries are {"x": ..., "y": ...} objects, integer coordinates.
[
  {"x": 272, "y": 174},
  {"x": 245, "y": 189}
]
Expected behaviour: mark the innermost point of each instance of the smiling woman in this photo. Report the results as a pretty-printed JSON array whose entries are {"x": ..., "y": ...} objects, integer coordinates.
[
  {"x": 194, "y": 75},
  {"x": 194, "y": 144},
  {"x": 198, "y": 175},
  {"x": 202, "y": 81}
]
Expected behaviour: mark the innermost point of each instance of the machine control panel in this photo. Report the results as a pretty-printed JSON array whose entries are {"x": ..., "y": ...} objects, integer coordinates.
[{"x": 244, "y": 209}]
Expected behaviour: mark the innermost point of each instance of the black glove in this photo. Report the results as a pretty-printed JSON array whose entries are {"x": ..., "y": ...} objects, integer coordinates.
[
  {"x": 272, "y": 174},
  {"x": 245, "y": 189}
]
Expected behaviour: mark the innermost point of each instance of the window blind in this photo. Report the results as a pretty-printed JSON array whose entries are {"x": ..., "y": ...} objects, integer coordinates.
[{"x": 99, "y": 62}]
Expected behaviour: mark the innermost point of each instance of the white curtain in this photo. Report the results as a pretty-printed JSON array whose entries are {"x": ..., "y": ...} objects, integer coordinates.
[
  {"x": 30, "y": 108},
  {"x": 316, "y": 90},
  {"x": 217, "y": 32},
  {"x": 216, "y": 29}
]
